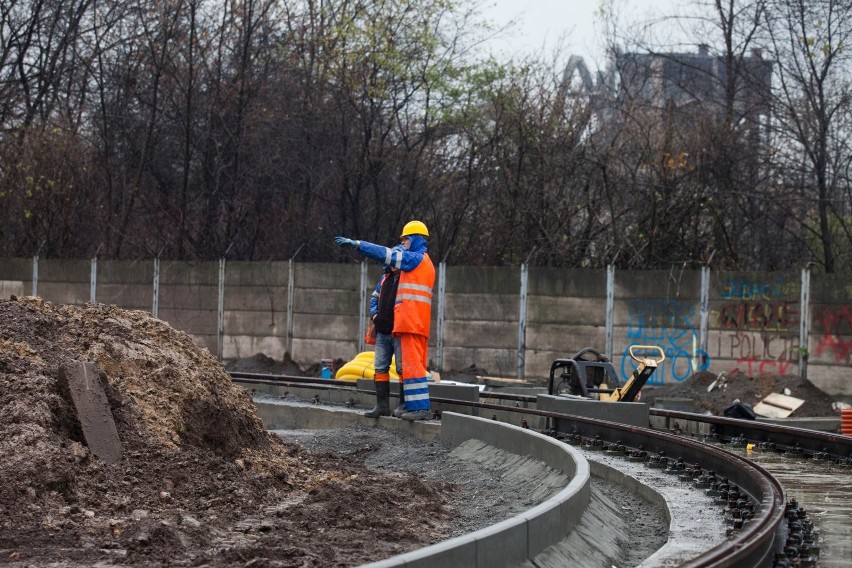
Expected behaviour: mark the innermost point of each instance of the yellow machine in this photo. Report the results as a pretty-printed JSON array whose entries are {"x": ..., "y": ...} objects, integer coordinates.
[{"x": 589, "y": 373}]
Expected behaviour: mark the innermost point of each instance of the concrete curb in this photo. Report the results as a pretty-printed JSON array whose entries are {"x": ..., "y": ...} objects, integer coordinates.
[
  {"x": 507, "y": 543},
  {"x": 282, "y": 415},
  {"x": 648, "y": 493},
  {"x": 518, "y": 539}
]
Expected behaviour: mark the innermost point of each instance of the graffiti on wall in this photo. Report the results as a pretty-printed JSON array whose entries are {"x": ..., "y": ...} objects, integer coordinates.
[
  {"x": 754, "y": 290},
  {"x": 671, "y": 325},
  {"x": 758, "y": 325},
  {"x": 768, "y": 316},
  {"x": 758, "y": 353},
  {"x": 836, "y": 339}
]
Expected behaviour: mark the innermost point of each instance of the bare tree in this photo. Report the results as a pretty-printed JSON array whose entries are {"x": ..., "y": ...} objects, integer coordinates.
[
  {"x": 189, "y": 128},
  {"x": 811, "y": 41},
  {"x": 689, "y": 126}
]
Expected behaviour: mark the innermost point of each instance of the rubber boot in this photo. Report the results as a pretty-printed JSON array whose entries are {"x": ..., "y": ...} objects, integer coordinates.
[
  {"x": 382, "y": 407},
  {"x": 413, "y": 415},
  {"x": 400, "y": 408}
]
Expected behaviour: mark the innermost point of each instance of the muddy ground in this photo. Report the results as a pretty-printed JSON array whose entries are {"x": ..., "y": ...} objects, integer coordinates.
[{"x": 199, "y": 480}]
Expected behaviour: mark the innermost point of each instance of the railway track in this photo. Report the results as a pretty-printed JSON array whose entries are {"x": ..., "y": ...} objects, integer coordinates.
[{"x": 750, "y": 469}]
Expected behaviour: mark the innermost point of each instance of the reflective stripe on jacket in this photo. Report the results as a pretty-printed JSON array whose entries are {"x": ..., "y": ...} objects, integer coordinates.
[{"x": 413, "y": 310}]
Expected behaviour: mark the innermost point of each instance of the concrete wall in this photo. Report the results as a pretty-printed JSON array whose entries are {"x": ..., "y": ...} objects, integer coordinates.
[
  {"x": 751, "y": 321},
  {"x": 830, "y": 339}
]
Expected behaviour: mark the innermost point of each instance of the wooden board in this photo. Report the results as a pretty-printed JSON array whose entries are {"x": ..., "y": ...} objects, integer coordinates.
[
  {"x": 87, "y": 393},
  {"x": 777, "y": 405}
]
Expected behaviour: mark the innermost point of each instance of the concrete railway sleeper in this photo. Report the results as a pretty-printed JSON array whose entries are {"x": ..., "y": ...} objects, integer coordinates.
[{"x": 751, "y": 500}]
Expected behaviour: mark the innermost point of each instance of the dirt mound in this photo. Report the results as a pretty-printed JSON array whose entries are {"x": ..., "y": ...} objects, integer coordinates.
[
  {"x": 265, "y": 365},
  {"x": 736, "y": 385},
  {"x": 260, "y": 363},
  {"x": 199, "y": 480}
]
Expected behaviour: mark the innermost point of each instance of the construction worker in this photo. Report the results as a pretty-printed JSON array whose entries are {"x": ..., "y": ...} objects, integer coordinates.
[
  {"x": 382, "y": 302},
  {"x": 412, "y": 311}
]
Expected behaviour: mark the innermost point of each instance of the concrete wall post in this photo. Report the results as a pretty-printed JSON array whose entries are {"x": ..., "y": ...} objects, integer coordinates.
[
  {"x": 610, "y": 309},
  {"x": 290, "y": 292},
  {"x": 439, "y": 324},
  {"x": 220, "y": 312},
  {"x": 155, "y": 302},
  {"x": 363, "y": 312},
  {"x": 93, "y": 281},
  {"x": 522, "y": 320},
  {"x": 704, "y": 321},
  {"x": 804, "y": 321},
  {"x": 35, "y": 275}
]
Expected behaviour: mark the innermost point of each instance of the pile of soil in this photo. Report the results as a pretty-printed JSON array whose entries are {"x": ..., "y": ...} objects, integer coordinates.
[
  {"x": 199, "y": 480},
  {"x": 737, "y": 386},
  {"x": 262, "y": 364}
]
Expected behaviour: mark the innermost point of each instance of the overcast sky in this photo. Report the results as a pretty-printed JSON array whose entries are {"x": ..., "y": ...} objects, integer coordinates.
[{"x": 542, "y": 22}]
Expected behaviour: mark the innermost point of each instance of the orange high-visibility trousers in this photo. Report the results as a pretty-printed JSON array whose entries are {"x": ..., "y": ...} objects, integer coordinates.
[
  {"x": 414, "y": 372},
  {"x": 414, "y": 348}
]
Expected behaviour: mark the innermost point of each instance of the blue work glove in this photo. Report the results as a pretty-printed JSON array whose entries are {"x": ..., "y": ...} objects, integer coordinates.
[{"x": 344, "y": 242}]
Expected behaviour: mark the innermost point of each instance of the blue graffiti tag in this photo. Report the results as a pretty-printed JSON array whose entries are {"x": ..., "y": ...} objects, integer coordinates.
[
  {"x": 668, "y": 324},
  {"x": 743, "y": 289}
]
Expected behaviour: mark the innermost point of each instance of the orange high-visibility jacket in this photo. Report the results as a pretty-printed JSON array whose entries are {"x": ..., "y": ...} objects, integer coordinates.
[{"x": 413, "y": 310}]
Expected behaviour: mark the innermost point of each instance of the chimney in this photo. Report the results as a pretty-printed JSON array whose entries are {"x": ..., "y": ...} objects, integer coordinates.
[
  {"x": 703, "y": 49},
  {"x": 757, "y": 53}
]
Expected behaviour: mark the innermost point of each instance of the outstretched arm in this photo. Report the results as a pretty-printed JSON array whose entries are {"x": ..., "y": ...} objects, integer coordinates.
[{"x": 396, "y": 257}]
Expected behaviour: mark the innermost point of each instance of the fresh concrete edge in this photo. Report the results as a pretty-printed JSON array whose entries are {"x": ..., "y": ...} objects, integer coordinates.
[
  {"x": 278, "y": 415},
  {"x": 505, "y": 544},
  {"x": 610, "y": 473},
  {"x": 515, "y": 540}
]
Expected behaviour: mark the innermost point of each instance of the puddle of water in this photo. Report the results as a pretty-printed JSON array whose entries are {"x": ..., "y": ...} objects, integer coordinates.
[{"x": 825, "y": 492}]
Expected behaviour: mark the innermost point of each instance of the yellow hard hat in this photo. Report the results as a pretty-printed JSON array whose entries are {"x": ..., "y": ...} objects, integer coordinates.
[{"x": 414, "y": 228}]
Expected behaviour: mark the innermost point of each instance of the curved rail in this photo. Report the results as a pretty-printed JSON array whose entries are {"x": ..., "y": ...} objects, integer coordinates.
[{"x": 786, "y": 438}]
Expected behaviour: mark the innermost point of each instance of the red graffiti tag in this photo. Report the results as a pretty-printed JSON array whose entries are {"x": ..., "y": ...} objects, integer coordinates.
[
  {"x": 762, "y": 366},
  {"x": 833, "y": 325}
]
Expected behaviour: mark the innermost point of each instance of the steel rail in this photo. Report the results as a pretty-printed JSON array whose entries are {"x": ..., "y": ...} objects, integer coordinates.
[
  {"x": 786, "y": 438},
  {"x": 264, "y": 378}
]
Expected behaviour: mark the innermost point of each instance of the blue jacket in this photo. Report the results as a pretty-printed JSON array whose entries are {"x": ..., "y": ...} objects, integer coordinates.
[{"x": 397, "y": 257}]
